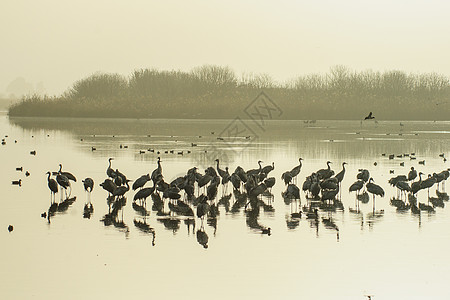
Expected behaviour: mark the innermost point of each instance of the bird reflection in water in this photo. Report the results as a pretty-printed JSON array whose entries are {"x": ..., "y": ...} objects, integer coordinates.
[
  {"x": 88, "y": 210},
  {"x": 252, "y": 220},
  {"x": 65, "y": 204},
  {"x": 140, "y": 209},
  {"x": 115, "y": 207},
  {"x": 240, "y": 199},
  {"x": 202, "y": 237},
  {"x": 292, "y": 223},
  {"x": 332, "y": 206},
  {"x": 213, "y": 223},
  {"x": 442, "y": 195},
  {"x": 374, "y": 217},
  {"x": 158, "y": 205},
  {"x": 169, "y": 223},
  {"x": 61, "y": 207},
  {"x": 145, "y": 228},
  {"x": 190, "y": 223},
  {"x": 330, "y": 224},
  {"x": 294, "y": 209},
  {"x": 225, "y": 202},
  {"x": 181, "y": 208},
  {"x": 293, "y": 219},
  {"x": 314, "y": 223},
  {"x": 355, "y": 210}
]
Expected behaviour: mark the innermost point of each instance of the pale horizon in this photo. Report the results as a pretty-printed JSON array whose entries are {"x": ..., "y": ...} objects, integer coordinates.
[{"x": 57, "y": 44}]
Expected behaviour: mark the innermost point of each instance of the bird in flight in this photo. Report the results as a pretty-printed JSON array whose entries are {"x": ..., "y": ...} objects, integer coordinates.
[{"x": 369, "y": 116}]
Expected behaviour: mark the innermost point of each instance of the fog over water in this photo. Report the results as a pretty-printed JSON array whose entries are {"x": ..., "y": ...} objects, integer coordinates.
[{"x": 46, "y": 41}]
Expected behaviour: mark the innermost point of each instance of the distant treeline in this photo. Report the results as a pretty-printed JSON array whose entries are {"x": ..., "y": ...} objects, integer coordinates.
[{"x": 216, "y": 92}]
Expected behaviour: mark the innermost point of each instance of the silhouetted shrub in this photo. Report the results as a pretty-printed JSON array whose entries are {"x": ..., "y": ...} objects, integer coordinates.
[{"x": 215, "y": 92}]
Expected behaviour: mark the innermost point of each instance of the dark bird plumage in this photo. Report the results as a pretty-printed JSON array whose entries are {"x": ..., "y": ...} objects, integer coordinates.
[
  {"x": 286, "y": 177},
  {"x": 296, "y": 170},
  {"x": 88, "y": 184},
  {"x": 325, "y": 173},
  {"x": 269, "y": 182},
  {"x": 356, "y": 186},
  {"x": 109, "y": 171},
  {"x": 141, "y": 181},
  {"x": 369, "y": 117},
  {"x": 340, "y": 176},
  {"x": 374, "y": 189},
  {"x": 292, "y": 191},
  {"x": 257, "y": 190},
  {"x": 412, "y": 174},
  {"x": 121, "y": 190},
  {"x": 69, "y": 175},
  {"x": 52, "y": 184},
  {"x": 363, "y": 175},
  {"x": 108, "y": 185}
]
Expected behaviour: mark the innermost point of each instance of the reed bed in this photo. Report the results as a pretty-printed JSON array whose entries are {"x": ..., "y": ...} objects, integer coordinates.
[{"x": 217, "y": 92}]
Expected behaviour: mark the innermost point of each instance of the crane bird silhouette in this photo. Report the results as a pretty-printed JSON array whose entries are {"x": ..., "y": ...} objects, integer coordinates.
[{"x": 369, "y": 117}]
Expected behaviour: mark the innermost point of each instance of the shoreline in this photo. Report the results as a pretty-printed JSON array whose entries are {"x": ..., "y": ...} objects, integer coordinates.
[{"x": 127, "y": 119}]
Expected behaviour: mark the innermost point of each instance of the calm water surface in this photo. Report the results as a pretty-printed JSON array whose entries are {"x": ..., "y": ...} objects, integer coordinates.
[{"x": 387, "y": 254}]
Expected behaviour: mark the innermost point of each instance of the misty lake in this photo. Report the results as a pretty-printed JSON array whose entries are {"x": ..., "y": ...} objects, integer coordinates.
[{"x": 341, "y": 254}]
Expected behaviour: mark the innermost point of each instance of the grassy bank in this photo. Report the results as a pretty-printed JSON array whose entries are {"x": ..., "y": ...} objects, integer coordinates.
[{"x": 216, "y": 92}]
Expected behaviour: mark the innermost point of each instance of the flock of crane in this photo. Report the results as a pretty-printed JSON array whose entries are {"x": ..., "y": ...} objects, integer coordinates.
[{"x": 201, "y": 190}]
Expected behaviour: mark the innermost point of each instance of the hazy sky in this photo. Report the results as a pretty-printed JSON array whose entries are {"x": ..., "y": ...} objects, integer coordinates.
[{"x": 59, "y": 42}]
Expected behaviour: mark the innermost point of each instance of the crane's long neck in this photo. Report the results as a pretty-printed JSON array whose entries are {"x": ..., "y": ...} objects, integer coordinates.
[
  {"x": 48, "y": 177},
  {"x": 343, "y": 166},
  {"x": 217, "y": 164},
  {"x": 328, "y": 164},
  {"x": 259, "y": 163},
  {"x": 60, "y": 168},
  {"x": 109, "y": 163}
]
